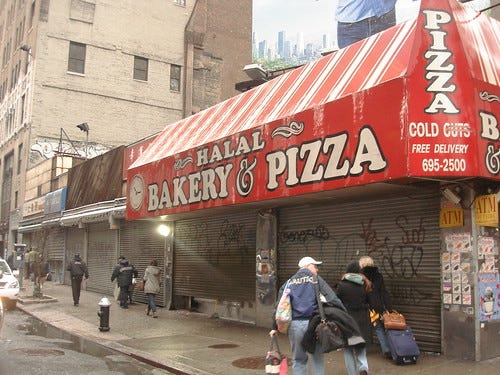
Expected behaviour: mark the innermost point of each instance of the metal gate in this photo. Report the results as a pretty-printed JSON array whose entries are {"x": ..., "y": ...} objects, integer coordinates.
[
  {"x": 75, "y": 242},
  {"x": 54, "y": 251},
  {"x": 101, "y": 257},
  {"x": 140, "y": 243},
  {"x": 214, "y": 257},
  {"x": 402, "y": 236}
]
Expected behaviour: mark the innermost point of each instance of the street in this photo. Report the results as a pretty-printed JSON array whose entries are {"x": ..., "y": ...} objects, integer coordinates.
[{"x": 27, "y": 344}]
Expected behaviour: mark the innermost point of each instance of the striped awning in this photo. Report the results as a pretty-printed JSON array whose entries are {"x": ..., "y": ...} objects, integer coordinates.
[
  {"x": 378, "y": 59},
  {"x": 392, "y": 106}
]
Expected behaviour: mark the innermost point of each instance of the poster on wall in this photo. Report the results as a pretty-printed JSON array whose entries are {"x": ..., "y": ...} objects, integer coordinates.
[
  {"x": 486, "y": 246},
  {"x": 489, "y": 294},
  {"x": 456, "y": 264},
  {"x": 460, "y": 242}
]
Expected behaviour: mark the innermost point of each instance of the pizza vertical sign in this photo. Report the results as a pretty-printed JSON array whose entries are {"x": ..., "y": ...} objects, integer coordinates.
[{"x": 441, "y": 130}]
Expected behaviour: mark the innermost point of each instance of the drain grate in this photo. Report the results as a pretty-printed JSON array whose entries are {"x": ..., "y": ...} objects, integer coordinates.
[
  {"x": 37, "y": 352},
  {"x": 255, "y": 363},
  {"x": 223, "y": 346}
]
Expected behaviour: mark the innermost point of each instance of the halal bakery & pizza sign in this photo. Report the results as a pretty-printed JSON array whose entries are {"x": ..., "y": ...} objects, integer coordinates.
[{"x": 238, "y": 168}]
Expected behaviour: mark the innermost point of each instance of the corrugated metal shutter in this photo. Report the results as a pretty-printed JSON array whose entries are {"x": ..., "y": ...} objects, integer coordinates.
[
  {"x": 140, "y": 243},
  {"x": 214, "y": 257},
  {"x": 401, "y": 234},
  {"x": 75, "y": 241},
  {"x": 54, "y": 251},
  {"x": 54, "y": 246},
  {"x": 101, "y": 257}
]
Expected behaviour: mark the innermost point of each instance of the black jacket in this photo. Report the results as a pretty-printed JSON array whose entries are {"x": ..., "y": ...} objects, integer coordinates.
[
  {"x": 78, "y": 268},
  {"x": 379, "y": 298},
  {"x": 353, "y": 295},
  {"x": 344, "y": 321},
  {"x": 124, "y": 272}
]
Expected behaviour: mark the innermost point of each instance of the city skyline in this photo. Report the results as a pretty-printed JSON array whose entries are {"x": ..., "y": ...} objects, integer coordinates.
[
  {"x": 313, "y": 18},
  {"x": 299, "y": 30}
]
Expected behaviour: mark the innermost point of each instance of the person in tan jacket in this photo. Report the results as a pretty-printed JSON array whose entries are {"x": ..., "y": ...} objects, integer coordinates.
[{"x": 152, "y": 286}]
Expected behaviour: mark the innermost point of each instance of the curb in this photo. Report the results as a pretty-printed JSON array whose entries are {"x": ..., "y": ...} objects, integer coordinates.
[{"x": 141, "y": 356}]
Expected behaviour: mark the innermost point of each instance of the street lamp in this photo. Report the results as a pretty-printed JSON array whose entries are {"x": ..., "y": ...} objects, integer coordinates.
[
  {"x": 164, "y": 230},
  {"x": 84, "y": 127}
]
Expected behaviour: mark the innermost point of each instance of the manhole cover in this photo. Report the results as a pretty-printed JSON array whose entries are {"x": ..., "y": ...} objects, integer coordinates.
[
  {"x": 256, "y": 363},
  {"x": 223, "y": 346},
  {"x": 37, "y": 352}
]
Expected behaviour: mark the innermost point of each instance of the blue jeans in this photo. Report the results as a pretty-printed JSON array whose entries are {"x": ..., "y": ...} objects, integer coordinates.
[
  {"x": 296, "y": 332},
  {"x": 355, "y": 359},
  {"x": 349, "y": 33},
  {"x": 151, "y": 302},
  {"x": 382, "y": 338}
]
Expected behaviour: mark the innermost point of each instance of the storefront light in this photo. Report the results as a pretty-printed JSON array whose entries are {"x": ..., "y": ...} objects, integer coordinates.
[{"x": 164, "y": 230}]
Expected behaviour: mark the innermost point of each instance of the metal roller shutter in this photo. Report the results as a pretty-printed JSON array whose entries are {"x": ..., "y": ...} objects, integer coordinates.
[
  {"x": 214, "y": 257},
  {"x": 54, "y": 251},
  {"x": 401, "y": 234},
  {"x": 75, "y": 241},
  {"x": 140, "y": 243},
  {"x": 54, "y": 245},
  {"x": 101, "y": 257}
]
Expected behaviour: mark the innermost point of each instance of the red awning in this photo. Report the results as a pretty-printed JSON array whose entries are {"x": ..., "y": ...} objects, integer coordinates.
[{"x": 417, "y": 100}]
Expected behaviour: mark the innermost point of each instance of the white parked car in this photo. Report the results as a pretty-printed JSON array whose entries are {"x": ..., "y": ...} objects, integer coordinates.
[{"x": 9, "y": 286}]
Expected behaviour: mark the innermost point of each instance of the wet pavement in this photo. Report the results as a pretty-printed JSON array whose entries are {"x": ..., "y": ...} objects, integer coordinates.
[
  {"x": 195, "y": 344},
  {"x": 27, "y": 343}
]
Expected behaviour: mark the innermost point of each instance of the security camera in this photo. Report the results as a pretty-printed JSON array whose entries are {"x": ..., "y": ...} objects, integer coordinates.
[{"x": 451, "y": 195}]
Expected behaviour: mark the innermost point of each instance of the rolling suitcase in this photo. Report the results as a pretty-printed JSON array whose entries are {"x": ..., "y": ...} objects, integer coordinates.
[{"x": 404, "y": 348}]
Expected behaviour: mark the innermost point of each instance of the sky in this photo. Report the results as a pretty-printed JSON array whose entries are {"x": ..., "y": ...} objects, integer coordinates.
[{"x": 312, "y": 17}]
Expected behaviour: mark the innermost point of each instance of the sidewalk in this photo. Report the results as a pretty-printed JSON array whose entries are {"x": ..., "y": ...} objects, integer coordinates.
[{"x": 195, "y": 344}]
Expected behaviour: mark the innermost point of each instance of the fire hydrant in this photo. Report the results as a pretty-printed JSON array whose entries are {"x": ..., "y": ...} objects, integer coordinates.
[{"x": 103, "y": 314}]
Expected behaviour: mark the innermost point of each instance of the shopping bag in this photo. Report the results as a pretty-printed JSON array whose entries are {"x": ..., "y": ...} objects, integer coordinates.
[
  {"x": 393, "y": 320},
  {"x": 276, "y": 363},
  {"x": 374, "y": 316},
  {"x": 140, "y": 284},
  {"x": 284, "y": 310}
]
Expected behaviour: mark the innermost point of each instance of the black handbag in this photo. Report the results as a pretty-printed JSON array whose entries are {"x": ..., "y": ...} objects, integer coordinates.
[{"x": 328, "y": 335}]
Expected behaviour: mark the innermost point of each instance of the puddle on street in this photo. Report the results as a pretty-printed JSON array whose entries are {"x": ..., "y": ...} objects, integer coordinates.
[{"x": 115, "y": 361}]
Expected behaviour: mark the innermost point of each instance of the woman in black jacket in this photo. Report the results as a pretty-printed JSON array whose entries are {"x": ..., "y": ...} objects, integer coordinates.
[
  {"x": 353, "y": 290},
  {"x": 378, "y": 298}
]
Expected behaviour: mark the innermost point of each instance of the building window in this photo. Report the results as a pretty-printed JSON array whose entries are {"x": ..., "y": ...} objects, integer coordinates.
[
  {"x": 19, "y": 158},
  {"x": 140, "y": 68},
  {"x": 23, "y": 103},
  {"x": 175, "y": 78},
  {"x": 16, "y": 197},
  {"x": 180, "y": 2},
  {"x": 32, "y": 13},
  {"x": 76, "y": 59}
]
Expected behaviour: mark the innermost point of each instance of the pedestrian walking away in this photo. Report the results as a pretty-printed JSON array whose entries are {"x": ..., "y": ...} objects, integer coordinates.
[
  {"x": 124, "y": 272},
  {"x": 379, "y": 300},
  {"x": 78, "y": 270},
  {"x": 353, "y": 290},
  {"x": 304, "y": 304},
  {"x": 31, "y": 258},
  {"x": 44, "y": 272},
  {"x": 116, "y": 290},
  {"x": 152, "y": 286}
]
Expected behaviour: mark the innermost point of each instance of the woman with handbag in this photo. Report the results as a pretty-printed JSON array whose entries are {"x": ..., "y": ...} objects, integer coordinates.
[
  {"x": 379, "y": 300},
  {"x": 302, "y": 292},
  {"x": 353, "y": 291},
  {"x": 152, "y": 286}
]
